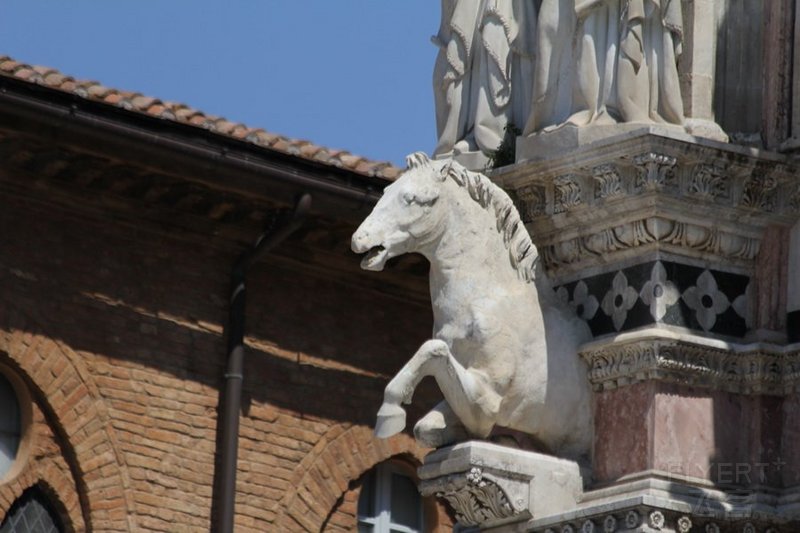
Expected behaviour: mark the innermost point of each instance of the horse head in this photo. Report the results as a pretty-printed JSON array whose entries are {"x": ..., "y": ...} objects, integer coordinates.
[{"x": 407, "y": 217}]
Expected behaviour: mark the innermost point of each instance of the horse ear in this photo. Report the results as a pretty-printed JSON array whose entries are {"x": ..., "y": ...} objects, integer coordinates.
[{"x": 445, "y": 170}]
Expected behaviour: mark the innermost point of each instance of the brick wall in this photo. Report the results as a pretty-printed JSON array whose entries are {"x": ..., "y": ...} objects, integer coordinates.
[{"x": 117, "y": 331}]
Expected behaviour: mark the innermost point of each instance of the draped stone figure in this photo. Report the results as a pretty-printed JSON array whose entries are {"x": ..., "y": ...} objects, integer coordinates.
[
  {"x": 452, "y": 73},
  {"x": 484, "y": 72},
  {"x": 553, "y": 81},
  {"x": 506, "y": 69},
  {"x": 548, "y": 63},
  {"x": 626, "y": 57}
]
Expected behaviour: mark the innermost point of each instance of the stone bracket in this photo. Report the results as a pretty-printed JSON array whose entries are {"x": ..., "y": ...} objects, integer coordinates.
[{"x": 488, "y": 485}]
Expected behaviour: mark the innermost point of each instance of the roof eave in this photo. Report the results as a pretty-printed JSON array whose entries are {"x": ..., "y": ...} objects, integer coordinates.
[{"x": 183, "y": 150}]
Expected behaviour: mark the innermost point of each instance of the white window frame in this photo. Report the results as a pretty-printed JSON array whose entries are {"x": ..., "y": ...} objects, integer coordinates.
[
  {"x": 11, "y": 435},
  {"x": 382, "y": 496}
]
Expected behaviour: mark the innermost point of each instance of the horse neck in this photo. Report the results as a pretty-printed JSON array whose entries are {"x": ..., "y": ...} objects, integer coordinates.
[{"x": 470, "y": 248}]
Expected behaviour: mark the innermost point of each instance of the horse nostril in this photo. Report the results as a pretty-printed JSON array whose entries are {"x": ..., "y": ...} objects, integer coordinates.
[{"x": 355, "y": 243}]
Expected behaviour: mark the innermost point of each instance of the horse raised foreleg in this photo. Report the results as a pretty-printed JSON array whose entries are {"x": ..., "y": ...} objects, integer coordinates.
[{"x": 467, "y": 391}]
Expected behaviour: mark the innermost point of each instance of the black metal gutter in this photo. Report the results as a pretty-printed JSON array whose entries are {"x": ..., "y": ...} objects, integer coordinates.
[{"x": 228, "y": 423}]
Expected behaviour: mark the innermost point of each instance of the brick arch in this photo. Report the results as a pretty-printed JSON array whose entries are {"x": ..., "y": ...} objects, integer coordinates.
[
  {"x": 55, "y": 484},
  {"x": 342, "y": 456},
  {"x": 63, "y": 387}
]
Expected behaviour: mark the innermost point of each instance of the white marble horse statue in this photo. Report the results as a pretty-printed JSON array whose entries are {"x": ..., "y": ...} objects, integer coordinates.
[{"x": 504, "y": 349}]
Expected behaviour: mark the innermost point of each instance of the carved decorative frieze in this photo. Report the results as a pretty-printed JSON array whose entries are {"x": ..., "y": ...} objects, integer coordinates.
[
  {"x": 710, "y": 182},
  {"x": 710, "y": 204},
  {"x": 759, "y": 191},
  {"x": 533, "y": 201},
  {"x": 608, "y": 182},
  {"x": 655, "y": 171},
  {"x": 567, "y": 193},
  {"x": 763, "y": 370},
  {"x": 637, "y": 233}
]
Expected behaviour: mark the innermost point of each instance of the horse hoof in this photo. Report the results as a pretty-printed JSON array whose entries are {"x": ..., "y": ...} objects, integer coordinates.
[{"x": 391, "y": 420}]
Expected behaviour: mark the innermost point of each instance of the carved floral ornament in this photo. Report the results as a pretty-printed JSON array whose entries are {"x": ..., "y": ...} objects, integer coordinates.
[
  {"x": 477, "y": 499},
  {"x": 693, "y": 364},
  {"x": 658, "y": 293},
  {"x": 619, "y": 300}
]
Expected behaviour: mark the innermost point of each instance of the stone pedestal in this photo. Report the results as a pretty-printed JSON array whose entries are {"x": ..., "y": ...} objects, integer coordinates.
[
  {"x": 490, "y": 485},
  {"x": 567, "y": 137}
]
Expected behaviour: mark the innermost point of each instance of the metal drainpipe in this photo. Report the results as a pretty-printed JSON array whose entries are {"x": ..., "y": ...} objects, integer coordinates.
[{"x": 229, "y": 421}]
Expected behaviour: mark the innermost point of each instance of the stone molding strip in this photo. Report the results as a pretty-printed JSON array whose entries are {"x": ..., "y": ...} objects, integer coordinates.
[
  {"x": 684, "y": 359},
  {"x": 652, "y": 504}
]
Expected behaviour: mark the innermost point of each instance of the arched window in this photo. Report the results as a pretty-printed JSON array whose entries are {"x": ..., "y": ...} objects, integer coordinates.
[
  {"x": 31, "y": 513},
  {"x": 10, "y": 426},
  {"x": 389, "y": 501}
]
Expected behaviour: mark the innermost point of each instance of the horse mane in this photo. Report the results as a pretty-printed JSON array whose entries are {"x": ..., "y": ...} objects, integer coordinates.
[{"x": 521, "y": 250}]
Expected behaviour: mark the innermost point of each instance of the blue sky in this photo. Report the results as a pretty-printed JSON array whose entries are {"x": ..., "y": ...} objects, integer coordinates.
[{"x": 352, "y": 74}]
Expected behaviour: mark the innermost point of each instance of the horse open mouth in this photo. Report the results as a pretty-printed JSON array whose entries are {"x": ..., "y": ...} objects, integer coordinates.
[{"x": 375, "y": 258}]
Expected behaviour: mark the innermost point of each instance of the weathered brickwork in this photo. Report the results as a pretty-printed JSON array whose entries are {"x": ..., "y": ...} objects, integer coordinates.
[
  {"x": 43, "y": 464},
  {"x": 76, "y": 414},
  {"x": 117, "y": 330}
]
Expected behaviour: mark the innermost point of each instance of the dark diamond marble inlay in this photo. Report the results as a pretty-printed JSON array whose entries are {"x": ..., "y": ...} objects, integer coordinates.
[{"x": 691, "y": 297}]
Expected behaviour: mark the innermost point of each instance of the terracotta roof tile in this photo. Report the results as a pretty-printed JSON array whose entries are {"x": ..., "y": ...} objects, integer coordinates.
[
  {"x": 350, "y": 160},
  {"x": 366, "y": 167},
  {"x": 225, "y": 126},
  {"x": 159, "y": 110},
  {"x": 144, "y": 102},
  {"x": 310, "y": 150},
  {"x": 181, "y": 113},
  {"x": 282, "y": 145},
  {"x": 55, "y": 78},
  {"x": 240, "y": 131}
]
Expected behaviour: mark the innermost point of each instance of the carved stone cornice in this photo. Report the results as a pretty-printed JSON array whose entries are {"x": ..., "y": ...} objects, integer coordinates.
[
  {"x": 694, "y": 361},
  {"x": 668, "y": 233},
  {"x": 707, "y": 201}
]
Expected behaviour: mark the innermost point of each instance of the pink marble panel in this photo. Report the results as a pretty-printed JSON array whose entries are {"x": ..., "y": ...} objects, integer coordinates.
[
  {"x": 729, "y": 439},
  {"x": 683, "y": 431},
  {"x": 623, "y": 431}
]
